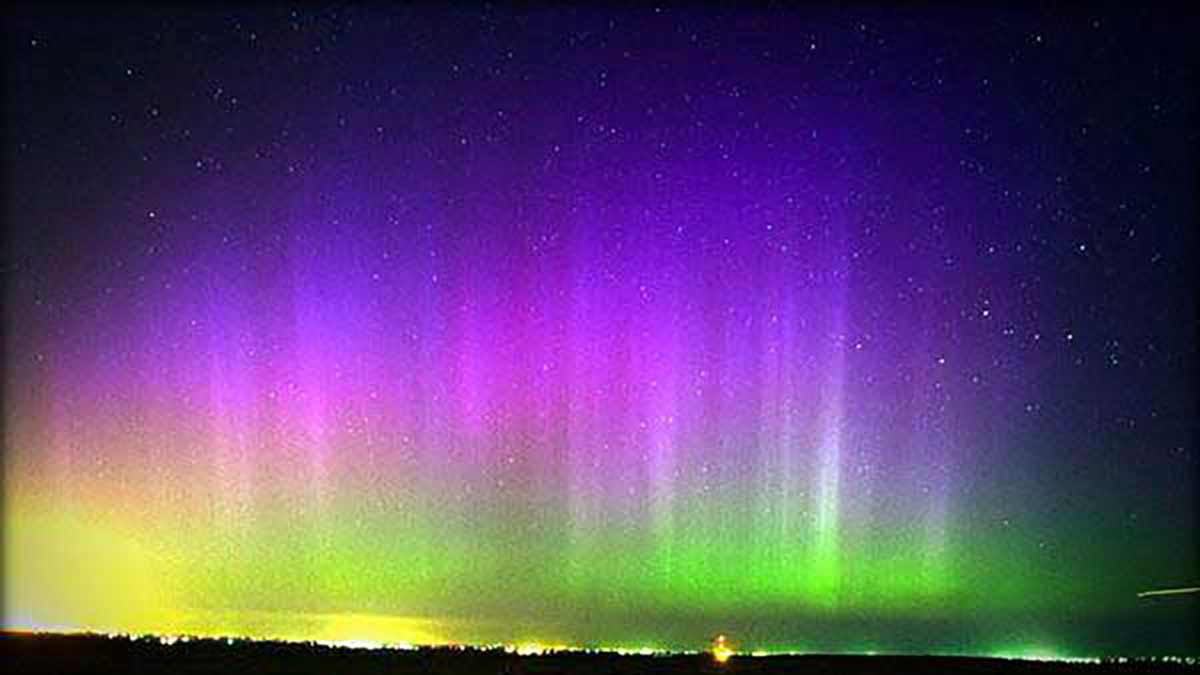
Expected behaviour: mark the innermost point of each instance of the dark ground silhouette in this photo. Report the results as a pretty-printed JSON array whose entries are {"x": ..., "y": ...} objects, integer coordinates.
[{"x": 25, "y": 653}]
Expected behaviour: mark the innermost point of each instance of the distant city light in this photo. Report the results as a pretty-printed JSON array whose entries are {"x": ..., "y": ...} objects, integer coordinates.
[{"x": 721, "y": 650}]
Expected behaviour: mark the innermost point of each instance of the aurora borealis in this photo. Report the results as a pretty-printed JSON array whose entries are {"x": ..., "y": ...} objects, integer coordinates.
[{"x": 833, "y": 330}]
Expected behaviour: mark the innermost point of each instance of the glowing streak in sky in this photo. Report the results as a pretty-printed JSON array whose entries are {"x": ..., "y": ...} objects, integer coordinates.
[
  {"x": 828, "y": 488},
  {"x": 1169, "y": 591}
]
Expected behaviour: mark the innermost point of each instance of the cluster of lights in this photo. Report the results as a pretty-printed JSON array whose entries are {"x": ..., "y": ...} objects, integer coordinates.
[
  {"x": 1180, "y": 660},
  {"x": 536, "y": 649},
  {"x": 364, "y": 644},
  {"x": 1046, "y": 658},
  {"x": 229, "y": 640}
]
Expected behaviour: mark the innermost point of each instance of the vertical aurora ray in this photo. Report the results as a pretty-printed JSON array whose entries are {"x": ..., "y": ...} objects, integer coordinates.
[
  {"x": 826, "y": 561},
  {"x": 826, "y": 549}
]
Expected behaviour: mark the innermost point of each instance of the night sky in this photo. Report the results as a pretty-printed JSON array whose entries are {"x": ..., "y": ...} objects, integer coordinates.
[{"x": 830, "y": 329}]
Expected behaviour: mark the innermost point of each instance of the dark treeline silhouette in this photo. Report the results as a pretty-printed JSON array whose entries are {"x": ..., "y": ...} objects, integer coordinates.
[{"x": 45, "y": 653}]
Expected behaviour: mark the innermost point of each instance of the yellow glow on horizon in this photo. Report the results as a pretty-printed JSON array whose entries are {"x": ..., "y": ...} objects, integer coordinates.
[
  {"x": 360, "y": 631},
  {"x": 377, "y": 629}
]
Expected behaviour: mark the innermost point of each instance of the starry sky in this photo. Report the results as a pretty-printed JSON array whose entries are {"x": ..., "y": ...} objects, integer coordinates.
[{"x": 831, "y": 329}]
